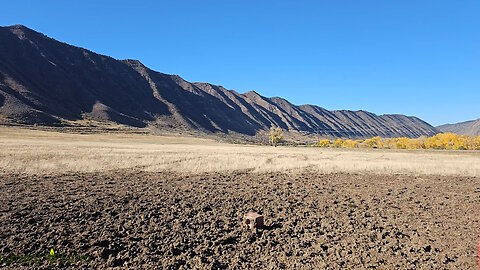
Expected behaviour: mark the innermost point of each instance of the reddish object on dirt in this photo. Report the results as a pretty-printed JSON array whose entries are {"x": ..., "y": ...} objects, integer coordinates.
[{"x": 252, "y": 221}]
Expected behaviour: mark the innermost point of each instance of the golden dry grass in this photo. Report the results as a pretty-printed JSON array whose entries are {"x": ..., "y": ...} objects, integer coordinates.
[{"x": 46, "y": 152}]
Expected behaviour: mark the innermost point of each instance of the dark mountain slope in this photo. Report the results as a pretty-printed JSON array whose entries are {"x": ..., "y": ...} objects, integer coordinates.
[
  {"x": 43, "y": 81},
  {"x": 65, "y": 81}
]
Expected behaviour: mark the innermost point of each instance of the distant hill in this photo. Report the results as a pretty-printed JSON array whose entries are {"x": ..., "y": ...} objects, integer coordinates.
[
  {"x": 471, "y": 128},
  {"x": 47, "y": 82}
]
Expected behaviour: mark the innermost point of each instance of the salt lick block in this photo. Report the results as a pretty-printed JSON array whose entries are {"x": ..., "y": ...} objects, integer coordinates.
[{"x": 252, "y": 221}]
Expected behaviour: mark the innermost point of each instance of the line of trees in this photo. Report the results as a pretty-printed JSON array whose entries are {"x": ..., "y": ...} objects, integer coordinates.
[{"x": 445, "y": 141}]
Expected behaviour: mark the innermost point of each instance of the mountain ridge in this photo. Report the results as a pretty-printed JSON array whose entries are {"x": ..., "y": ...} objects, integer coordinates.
[
  {"x": 44, "y": 81},
  {"x": 471, "y": 128}
]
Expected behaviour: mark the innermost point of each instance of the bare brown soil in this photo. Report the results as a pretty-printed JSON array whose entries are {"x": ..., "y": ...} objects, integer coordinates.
[{"x": 153, "y": 220}]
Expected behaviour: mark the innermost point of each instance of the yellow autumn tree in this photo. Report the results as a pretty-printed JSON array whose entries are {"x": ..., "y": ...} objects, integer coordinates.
[
  {"x": 350, "y": 144},
  {"x": 401, "y": 143},
  {"x": 375, "y": 142},
  {"x": 446, "y": 141},
  {"x": 390, "y": 143},
  {"x": 275, "y": 136},
  {"x": 338, "y": 143},
  {"x": 323, "y": 143},
  {"x": 415, "y": 144},
  {"x": 433, "y": 142},
  {"x": 461, "y": 142},
  {"x": 476, "y": 143}
]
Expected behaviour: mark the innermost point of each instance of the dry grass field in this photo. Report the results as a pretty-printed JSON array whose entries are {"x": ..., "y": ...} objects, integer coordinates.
[
  {"x": 41, "y": 152},
  {"x": 147, "y": 202}
]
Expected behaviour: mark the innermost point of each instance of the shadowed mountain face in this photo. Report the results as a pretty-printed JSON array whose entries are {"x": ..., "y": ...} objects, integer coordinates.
[
  {"x": 43, "y": 81},
  {"x": 471, "y": 128}
]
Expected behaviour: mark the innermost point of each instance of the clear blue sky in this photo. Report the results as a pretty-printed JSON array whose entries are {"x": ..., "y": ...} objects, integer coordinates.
[{"x": 411, "y": 57}]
